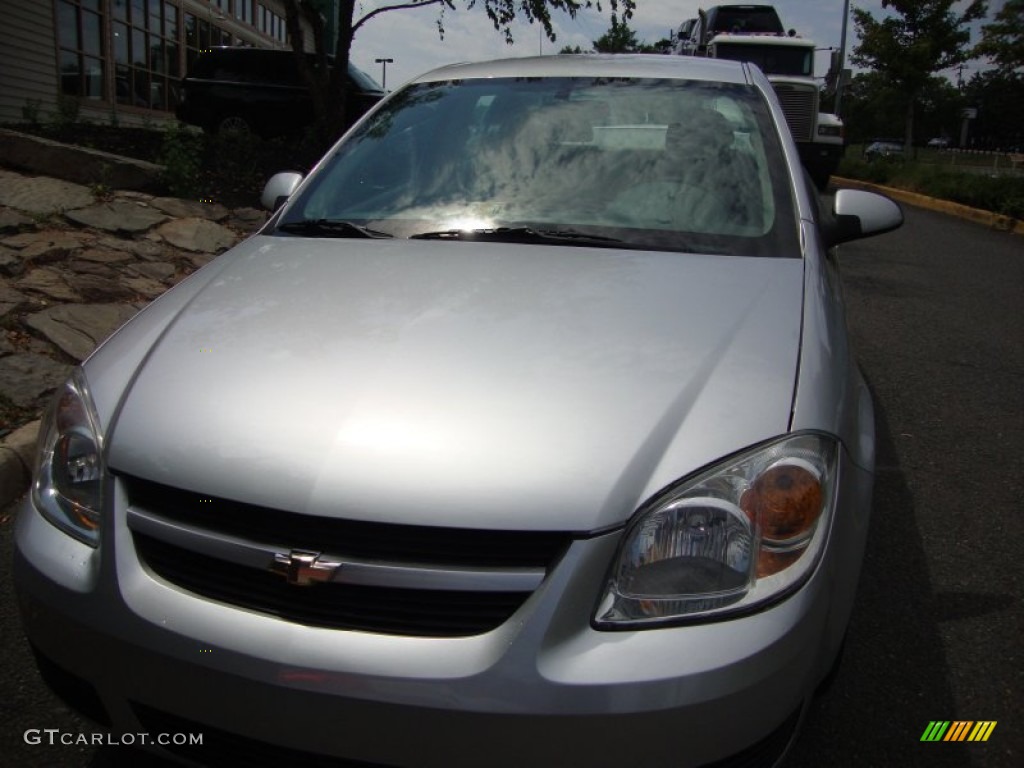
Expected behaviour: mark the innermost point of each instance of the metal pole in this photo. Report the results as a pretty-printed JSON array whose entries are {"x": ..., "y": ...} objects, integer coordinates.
[
  {"x": 384, "y": 71},
  {"x": 842, "y": 57}
]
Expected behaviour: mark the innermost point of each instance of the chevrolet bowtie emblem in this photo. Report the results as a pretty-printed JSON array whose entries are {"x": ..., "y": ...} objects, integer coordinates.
[{"x": 304, "y": 568}]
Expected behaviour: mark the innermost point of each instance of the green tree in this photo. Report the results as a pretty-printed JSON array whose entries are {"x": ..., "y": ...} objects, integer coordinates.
[
  {"x": 999, "y": 99},
  {"x": 620, "y": 38},
  {"x": 869, "y": 106},
  {"x": 328, "y": 84},
  {"x": 920, "y": 39},
  {"x": 1003, "y": 39}
]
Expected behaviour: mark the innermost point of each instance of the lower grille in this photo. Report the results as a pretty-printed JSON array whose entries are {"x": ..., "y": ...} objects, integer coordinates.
[
  {"x": 223, "y": 749},
  {"x": 77, "y": 693},
  {"x": 419, "y": 612},
  {"x": 767, "y": 752}
]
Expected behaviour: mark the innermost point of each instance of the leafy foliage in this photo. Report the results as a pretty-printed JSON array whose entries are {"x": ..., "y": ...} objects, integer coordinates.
[
  {"x": 68, "y": 108},
  {"x": 620, "y": 38},
  {"x": 328, "y": 85},
  {"x": 181, "y": 155},
  {"x": 999, "y": 99},
  {"x": 923, "y": 37},
  {"x": 31, "y": 111},
  {"x": 1003, "y": 195},
  {"x": 1003, "y": 40}
]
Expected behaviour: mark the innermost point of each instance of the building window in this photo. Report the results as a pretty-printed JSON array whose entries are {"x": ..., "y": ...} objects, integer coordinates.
[
  {"x": 82, "y": 57},
  {"x": 146, "y": 38},
  {"x": 201, "y": 34},
  {"x": 270, "y": 24},
  {"x": 244, "y": 11}
]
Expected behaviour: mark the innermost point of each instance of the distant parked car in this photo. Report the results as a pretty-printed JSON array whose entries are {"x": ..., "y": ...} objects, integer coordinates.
[
  {"x": 260, "y": 90},
  {"x": 940, "y": 142},
  {"x": 883, "y": 150}
]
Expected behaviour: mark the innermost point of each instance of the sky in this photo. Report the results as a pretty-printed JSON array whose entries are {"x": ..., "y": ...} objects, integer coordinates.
[{"x": 410, "y": 36}]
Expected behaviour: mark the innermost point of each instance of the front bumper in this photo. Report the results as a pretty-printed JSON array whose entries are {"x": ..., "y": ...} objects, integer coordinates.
[
  {"x": 544, "y": 688},
  {"x": 820, "y": 157}
]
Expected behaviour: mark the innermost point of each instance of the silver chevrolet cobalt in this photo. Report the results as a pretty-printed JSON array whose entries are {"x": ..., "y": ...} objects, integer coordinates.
[{"x": 525, "y": 433}]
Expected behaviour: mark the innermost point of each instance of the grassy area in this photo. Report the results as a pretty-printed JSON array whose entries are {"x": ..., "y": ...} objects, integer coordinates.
[{"x": 985, "y": 181}]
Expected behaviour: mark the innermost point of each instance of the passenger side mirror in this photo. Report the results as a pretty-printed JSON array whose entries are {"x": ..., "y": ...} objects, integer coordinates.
[
  {"x": 279, "y": 189},
  {"x": 857, "y": 213}
]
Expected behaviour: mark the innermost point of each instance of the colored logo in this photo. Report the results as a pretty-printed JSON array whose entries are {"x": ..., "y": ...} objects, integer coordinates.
[
  {"x": 304, "y": 568},
  {"x": 958, "y": 730}
]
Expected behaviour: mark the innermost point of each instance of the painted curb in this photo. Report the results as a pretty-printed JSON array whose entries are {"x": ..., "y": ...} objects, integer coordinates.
[{"x": 987, "y": 218}]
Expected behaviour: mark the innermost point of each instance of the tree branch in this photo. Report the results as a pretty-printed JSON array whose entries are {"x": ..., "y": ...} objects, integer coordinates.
[{"x": 400, "y": 6}]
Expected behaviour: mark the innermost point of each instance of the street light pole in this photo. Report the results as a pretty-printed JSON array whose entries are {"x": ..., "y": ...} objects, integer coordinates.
[
  {"x": 384, "y": 71},
  {"x": 842, "y": 57}
]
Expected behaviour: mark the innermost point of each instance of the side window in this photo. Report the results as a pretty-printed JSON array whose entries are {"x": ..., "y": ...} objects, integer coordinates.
[{"x": 223, "y": 65}]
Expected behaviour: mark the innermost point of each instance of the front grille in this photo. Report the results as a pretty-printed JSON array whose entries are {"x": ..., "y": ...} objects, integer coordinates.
[
  {"x": 421, "y": 612},
  {"x": 799, "y": 105},
  {"x": 402, "y": 610},
  {"x": 352, "y": 538}
]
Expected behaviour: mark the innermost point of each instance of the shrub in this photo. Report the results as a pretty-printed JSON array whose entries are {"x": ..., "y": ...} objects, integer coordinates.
[
  {"x": 31, "y": 111},
  {"x": 181, "y": 154},
  {"x": 68, "y": 108},
  {"x": 234, "y": 157},
  {"x": 1002, "y": 194}
]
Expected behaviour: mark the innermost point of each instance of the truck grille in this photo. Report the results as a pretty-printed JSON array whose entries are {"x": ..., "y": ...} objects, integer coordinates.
[
  {"x": 800, "y": 106},
  {"x": 218, "y": 525}
]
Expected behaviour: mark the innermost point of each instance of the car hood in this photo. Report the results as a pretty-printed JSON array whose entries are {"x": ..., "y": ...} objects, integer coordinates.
[{"x": 465, "y": 384}]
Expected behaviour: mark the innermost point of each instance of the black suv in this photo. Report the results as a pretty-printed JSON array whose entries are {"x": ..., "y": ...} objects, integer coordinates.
[{"x": 260, "y": 90}]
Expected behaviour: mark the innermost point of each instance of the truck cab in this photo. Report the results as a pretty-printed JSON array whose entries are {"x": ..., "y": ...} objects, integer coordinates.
[{"x": 736, "y": 20}]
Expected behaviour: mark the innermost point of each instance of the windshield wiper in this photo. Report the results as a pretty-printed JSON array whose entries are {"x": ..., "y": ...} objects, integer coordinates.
[
  {"x": 519, "y": 235},
  {"x": 329, "y": 228}
]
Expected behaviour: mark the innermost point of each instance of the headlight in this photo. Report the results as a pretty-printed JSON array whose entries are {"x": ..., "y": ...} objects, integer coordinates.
[
  {"x": 744, "y": 533},
  {"x": 70, "y": 474}
]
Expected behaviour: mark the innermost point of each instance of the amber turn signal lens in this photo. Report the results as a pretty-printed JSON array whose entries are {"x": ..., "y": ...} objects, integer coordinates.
[{"x": 784, "y": 502}]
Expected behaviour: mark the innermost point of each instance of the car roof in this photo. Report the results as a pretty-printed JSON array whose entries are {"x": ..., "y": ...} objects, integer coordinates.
[{"x": 598, "y": 65}]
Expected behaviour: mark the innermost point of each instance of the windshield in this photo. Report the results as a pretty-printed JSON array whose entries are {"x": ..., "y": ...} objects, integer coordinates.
[
  {"x": 772, "y": 59},
  {"x": 660, "y": 164},
  {"x": 747, "y": 20}
]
